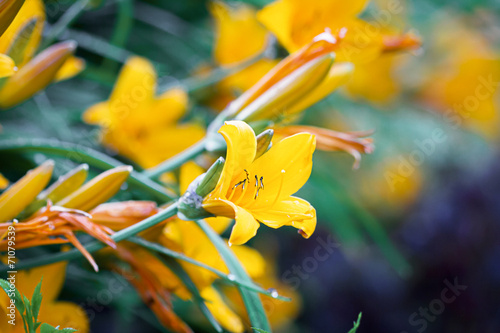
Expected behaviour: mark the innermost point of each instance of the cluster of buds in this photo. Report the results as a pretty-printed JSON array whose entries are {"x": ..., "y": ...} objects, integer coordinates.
[{"x": 43, "y": 223}]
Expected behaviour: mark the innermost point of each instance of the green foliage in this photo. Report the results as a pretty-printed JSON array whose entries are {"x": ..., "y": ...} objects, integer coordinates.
[
  {"x": 356, "y": 324},
  {"x": 29, "y": 310}
]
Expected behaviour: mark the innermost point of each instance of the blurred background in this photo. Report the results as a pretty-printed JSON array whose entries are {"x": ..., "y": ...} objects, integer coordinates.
[{"x": 410, "y": 239}]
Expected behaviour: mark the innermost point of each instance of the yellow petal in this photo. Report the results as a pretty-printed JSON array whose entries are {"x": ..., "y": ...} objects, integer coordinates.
[
  {"x": 338, "y": 75},
  {"x": 53, "y": 280},
  {"x": 30, "y": 10},
  {"x": 71, "y": 67},
  {"x": 221, "y": 312},
  {"x": 4, "y": 182},
  {"x": 189, "y": 172},
  {"x": 219, "y": 223},
  {"x": 241, "y": 148},
  {"x": 64, "y": 314},
  {"x": 35, "y": 75},
  {"x": 98, "y": 190},
  {"x": 24, "y": 191},
  {"x": 292, "y": 211},
  {"x": 7, "y": 66},
  {"x": 135, "y": 87},
  {"x": 251, "y": 259},
  {"x": 98, "y": 114},
  {"x": 231, "y": 24},
  {"x": 285, "y": 168},
  {"x": 277, "y": 17}
]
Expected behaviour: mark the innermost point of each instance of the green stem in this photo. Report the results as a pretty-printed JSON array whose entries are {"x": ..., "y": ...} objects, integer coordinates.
[
  {"x": 253, "y": 304},
  {"x": 176, "y": 161},
  {"x": 82, "y": 154},
  {"x": 166, "y": 251},
  {"x": 121, "y": 30},
  {"x": 97, "y": 245},
  {"x": 64, "y": 22}
]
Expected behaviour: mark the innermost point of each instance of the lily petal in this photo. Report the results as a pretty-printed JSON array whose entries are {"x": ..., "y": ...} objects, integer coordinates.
[{"x": 292, "y": 211}]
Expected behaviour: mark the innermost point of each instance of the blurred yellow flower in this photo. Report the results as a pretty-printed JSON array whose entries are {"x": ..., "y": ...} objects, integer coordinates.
[
  {"x": 4, "y": 182},
  {"x": 463, "y": 84},
  {"x": 53, "y": 312},
  {"x": 29, "y": 73},
  {"x": 231, "y": 23},
  {"x": 139, "y": 125},
  {"x": 254, "y": 190},
  {"x": 295, "y": 23}
]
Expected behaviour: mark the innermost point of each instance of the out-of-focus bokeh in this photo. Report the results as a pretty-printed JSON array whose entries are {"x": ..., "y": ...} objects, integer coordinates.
[{"x": 410, "y": 238}]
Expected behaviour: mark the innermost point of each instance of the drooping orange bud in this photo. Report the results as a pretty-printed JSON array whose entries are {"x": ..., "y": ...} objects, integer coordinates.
[
  {"x": 36, "y": 74},
  {"x": 353, "y": 143},
  {"x": 405, "y": 42}
]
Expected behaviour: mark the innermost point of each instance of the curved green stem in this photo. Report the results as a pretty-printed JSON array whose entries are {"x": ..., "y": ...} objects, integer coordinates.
[
  {"x": 82, "y": 154},
  {"x": 96, "y": 245},
  {"x": 176, "y": 161},
  {"x": 65, "y": 21}
]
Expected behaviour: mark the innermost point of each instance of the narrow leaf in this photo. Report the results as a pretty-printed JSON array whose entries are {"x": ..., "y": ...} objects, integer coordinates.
[{"x": 356, "y": 324}]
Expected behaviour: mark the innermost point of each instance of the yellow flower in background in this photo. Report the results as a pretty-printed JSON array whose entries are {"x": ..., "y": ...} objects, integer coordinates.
[
  {"x": 231, "y": 23},
  {"x": 463, "y": 84},
  {"x": 139, "y": 125},
  {"x": 295, "y": 23},
  {"x": 52, "y": 311},
  {"x": 259, "y": 190},
  {"x": 4, "y": 182},
  {"x": 29, "y": 73}
]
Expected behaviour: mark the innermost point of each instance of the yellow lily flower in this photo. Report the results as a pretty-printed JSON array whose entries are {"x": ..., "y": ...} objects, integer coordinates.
[
  {"x": 232, "y": 22},
  {"x": 52, "y": 311},
  {"x": 29, "y": 73},
  {"x": 8, "y": 11},
  {"x": 139, "y": 125},
  {"x": 254, "y": 191},
  {"x": 296, "y": 22},
  {"x": 4, "y": 182}
]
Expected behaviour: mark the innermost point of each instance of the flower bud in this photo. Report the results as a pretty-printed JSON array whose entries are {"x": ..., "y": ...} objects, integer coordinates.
[
  {"x": 24, "y": 191},
  {"x": 36, "y": 74},
  {"x": 264, "y": 142},
  {"x": 98, "y": 190},
  {"x": 8, "y": 11},
  {"x": 277, "y": 99},
  {"x": 190, "y": 205},
  {"x": 210, "y": 178}
]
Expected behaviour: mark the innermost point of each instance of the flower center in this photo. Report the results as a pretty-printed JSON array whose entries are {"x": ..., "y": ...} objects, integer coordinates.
[{"x": 244, "y": 185}]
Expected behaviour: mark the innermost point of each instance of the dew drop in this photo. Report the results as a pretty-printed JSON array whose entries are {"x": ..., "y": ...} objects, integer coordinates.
[
  {"x": 274, "y": 292},
  {"x": 231, "y": 277}
]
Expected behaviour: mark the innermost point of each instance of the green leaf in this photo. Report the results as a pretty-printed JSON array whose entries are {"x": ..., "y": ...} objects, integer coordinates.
[
  {"x": 356, "y": 324},
  {"x": 17, "y": 48},
  {"x": 29, "y": 315},
  {"x": 258, "y": 330},
  {"x": 46, "y": 328},
  {"x": 16, "y": 297},
  {"x": 251, "y": 299},
  {"x": 36, "y": 301}
]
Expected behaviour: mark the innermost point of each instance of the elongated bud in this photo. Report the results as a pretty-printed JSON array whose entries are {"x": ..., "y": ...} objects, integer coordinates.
[
  {"x": 8, "y": 11},
  {"x": 64, "y": 186},
  {"x": 210, "y": 178},
  {"x": 36, "y": 74},
  {"x": 98, "y": 190},
  {"x": 264, "y": 142},
  {"x": 338, "y": 75},
  {"x": 24, "y": 191},
  {"x": 275, "y": 101}
]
